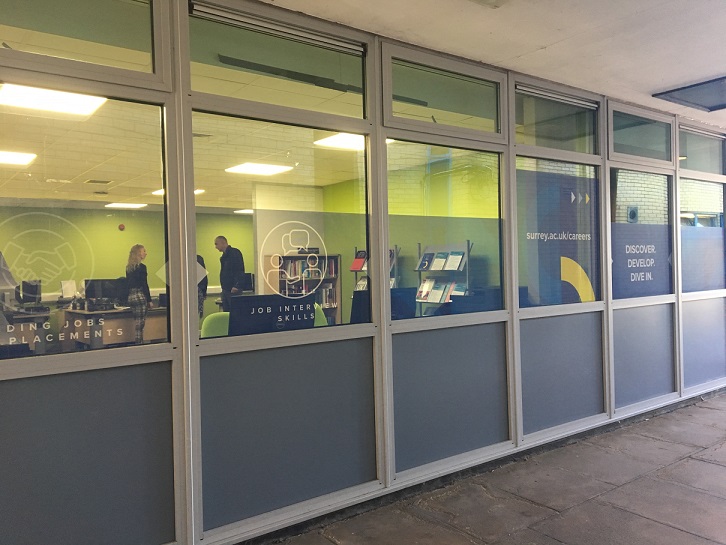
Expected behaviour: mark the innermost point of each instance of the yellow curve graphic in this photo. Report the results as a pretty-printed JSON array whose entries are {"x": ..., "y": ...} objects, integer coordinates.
[{"x": 573, "y": 273}]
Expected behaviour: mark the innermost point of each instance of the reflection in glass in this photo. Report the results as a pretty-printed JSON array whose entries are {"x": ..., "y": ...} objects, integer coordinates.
[
  {"x": 445, "y": 230},
  {"x": 68, "y": 221},
  {"x": 436, "y": 96},
  {"x": 641, "y": 234},
  {"x": 298, "y": 217},
  {"x": 553, "y": 124},
  {"x": 242, "y": 63},
  {"x": 702, "y": 235},
  {"x": 700, "y": 152},
  {"x": 643, "y": 137},
  {"x": 107, "y": 32},
  {"x": 559, "y": 236}
]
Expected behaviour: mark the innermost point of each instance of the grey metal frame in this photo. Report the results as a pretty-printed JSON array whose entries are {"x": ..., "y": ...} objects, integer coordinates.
[{"x": 170, "y": 88}]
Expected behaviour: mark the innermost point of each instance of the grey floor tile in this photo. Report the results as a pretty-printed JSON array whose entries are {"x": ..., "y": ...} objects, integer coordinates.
[
  {"x": 602, "y": 464},
  {"x": 527, "y": 537},
  {"x": 704, "y": 476},
  {"x": 643, "y": 447},
  {"x": 675, "y": 505},
  {"x": 545, "y": 484},
  {"x": 486, "y": 513},
  {"x": 392, "y": 526},
  {"x": 715, "y": 454},
  {"x": 676, "y": 430},
  {"x": 595, "y": 523}
]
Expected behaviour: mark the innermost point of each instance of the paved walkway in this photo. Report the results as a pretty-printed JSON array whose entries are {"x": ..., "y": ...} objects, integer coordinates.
[{"x": 661, "y": 481}]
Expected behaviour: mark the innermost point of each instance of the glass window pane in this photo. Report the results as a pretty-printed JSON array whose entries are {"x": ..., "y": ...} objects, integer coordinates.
[
  {"x": 445, "y": 230},
  {"x": 114, "y": 33},
  {"x": 700, "y": 152},
  {"x": 77, "y": 202},
  {"x": 702, "y": 235},
  {"x": 553, "y": 124},
  {"x": 292, "y": 202},
  {"x": 559, "y": 237},
  {"x": 641, "y": 234},
  {"x": 643, "y": 137},
  {"x": 241, "y": 63},
  {"x": 436, "y": 96}
]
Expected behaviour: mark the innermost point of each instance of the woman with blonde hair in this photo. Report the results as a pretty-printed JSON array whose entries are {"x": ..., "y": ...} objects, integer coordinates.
[{"x": 138, "y": 286}]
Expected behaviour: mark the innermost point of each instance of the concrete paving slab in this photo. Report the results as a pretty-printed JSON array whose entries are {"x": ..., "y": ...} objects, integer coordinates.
[
  {"x": 642, "y": 447},
  {"x": 545, "y": 484},
  {"x": 716, "y": 454},
  {"x": 670, "y": 428},
  {"x": 311, "y": 538},
  {"x": 714, "y": 403},
  {"x": 486, "y": 513},
  {"x": 595, "y": 523},
  {"x": 675, "y": 505},
  {"x": 602, "y": 464},
  {"x": 705, "y": 476},
  {"x": 703, "y": 415},
  {"x": 393, "y": 526},
  {"x": 528, "y": 537}
]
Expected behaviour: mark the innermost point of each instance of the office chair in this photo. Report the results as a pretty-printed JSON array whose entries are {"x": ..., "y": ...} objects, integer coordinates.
[
  {"x": 320, "y": 318},
  {"x": 215, "y": 325}
]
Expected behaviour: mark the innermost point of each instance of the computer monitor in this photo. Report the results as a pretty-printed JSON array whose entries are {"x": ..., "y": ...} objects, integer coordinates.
[
  {"x": 31, "y": 292},
  {"x": 101, "y": 288}
]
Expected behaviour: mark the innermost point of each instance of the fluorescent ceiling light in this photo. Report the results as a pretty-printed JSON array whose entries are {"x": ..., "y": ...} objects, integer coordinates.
[
  {"x": 257, "y": 168},
  {"x": 124, "y": 205},
  {"x": 16, "y": 158},
  {"x": 244, "y": 211},
  {"x": 199, "y": 191},
  {"x": 346, "y": 141},
  {"x": 50, "y": 101},
  {"x": 343, "y": 140}
]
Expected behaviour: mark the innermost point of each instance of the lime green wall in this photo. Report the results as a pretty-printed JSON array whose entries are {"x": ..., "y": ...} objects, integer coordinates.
[{"x": 75, "y": 244}]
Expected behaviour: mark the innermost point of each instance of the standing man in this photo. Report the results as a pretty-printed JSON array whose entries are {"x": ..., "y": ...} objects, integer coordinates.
[{"x": 231, "y": 274}]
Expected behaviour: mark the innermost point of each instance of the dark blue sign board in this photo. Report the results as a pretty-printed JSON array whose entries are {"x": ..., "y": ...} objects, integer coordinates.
[
  {"x": 252, "y": 314},
  {"x": 642, "y": 260},
  {"x": 558, "y": 219}
]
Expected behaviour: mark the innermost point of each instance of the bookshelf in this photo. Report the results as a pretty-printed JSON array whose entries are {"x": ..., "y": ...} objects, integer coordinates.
[
  {"x": 359, "y": 267},
  {"x": 446, "y": 270},
  {"x": 301, "y": 274}
]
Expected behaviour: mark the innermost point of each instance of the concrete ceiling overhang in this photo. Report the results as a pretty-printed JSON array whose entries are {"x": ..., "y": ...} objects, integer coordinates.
[{"x": 625, "y": 49}]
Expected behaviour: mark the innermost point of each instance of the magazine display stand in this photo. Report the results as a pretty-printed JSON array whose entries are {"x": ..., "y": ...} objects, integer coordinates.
[{"x": 446, "y": 270}]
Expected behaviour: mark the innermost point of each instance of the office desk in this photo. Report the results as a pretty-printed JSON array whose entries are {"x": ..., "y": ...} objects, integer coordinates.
[
  {"x": 26, "y": 328},
  {"x": 99, "y": 328}
]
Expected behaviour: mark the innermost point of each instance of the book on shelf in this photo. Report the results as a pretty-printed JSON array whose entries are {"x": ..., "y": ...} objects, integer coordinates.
[
  {"x": 391, "y": 259},
  {"x": 439, "y": 261},
  {"x": 362, "y": 284},
  {"x": 425, "y": 262},
  {"x": 425, "y": 289},
  {"x": 438, "y": 292},
  {"x": 459, "y": 289},
  {"x": 359, "y": 261},
  {"x": 454, "y": 261}
]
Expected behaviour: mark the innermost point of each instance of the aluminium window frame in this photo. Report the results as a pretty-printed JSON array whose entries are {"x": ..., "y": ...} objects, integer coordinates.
[
  {"x": 440, "y": 61},
  {"x": 650, "y": 115}
]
